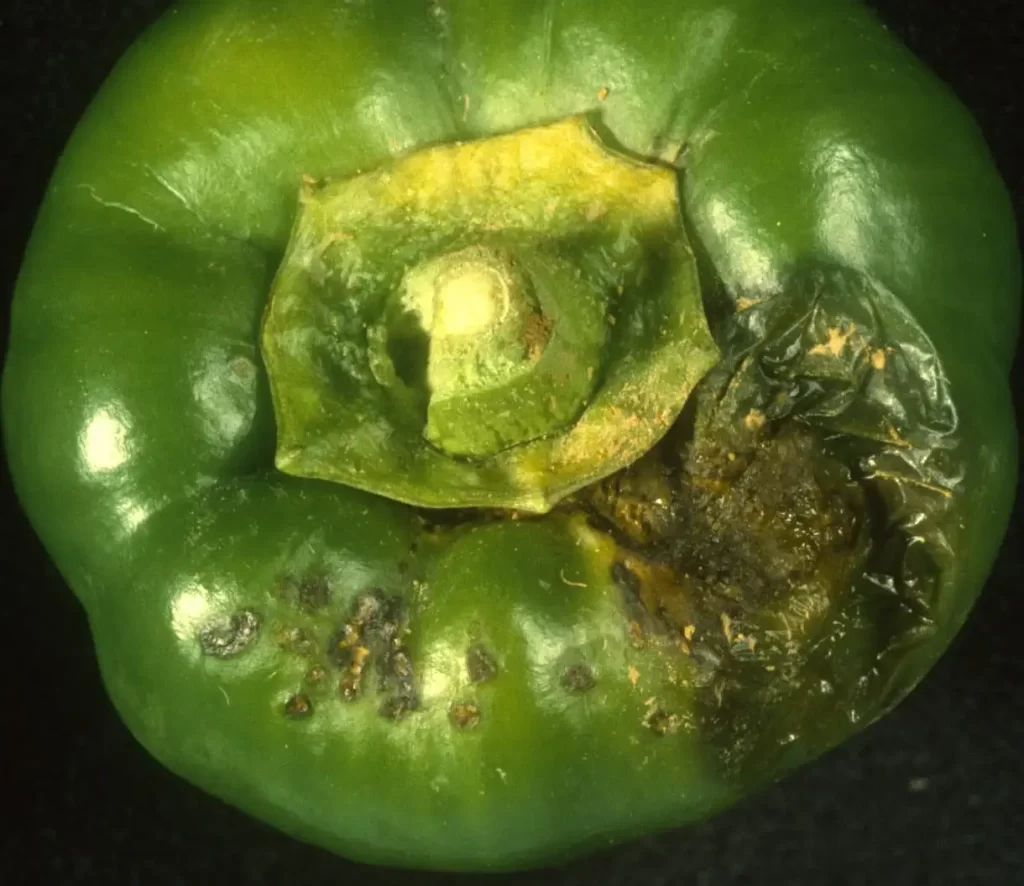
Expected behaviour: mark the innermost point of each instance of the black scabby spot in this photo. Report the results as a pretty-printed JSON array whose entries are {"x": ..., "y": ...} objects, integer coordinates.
[
  {"x": 372, "y": 637},
  {"x": 229, "y": 635},
  {"x": 578, "y": 678}
]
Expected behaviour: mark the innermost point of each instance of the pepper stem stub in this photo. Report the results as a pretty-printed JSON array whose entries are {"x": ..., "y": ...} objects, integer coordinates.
[{"x": 491, "y": 381}]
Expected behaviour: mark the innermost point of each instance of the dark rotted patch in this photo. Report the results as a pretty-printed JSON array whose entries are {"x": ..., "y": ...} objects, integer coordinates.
[
  {"x": 578, "y": 678},
  {"x": 298, "y": 707},
  {"x": 480, "y": 664},
  {"x": 755, "y": 520},
  {"x": 229, "y": 635},
  {"x": 464, "y": 714},
  {"x": 743, "y": 521}
]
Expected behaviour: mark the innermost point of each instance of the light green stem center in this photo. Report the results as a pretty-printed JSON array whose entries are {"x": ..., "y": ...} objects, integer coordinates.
[{"x": 490, "y": 386}]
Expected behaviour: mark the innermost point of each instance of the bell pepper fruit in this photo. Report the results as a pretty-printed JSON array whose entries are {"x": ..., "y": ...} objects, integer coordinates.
[{"x": 480, "y": 432}]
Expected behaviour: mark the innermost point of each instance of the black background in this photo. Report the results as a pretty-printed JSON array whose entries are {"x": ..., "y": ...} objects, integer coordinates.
[{"x": 934, "y": 794}]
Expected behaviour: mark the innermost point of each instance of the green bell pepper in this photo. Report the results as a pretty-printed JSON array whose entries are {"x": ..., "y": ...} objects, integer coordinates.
[{"x": 482, "y": 431}]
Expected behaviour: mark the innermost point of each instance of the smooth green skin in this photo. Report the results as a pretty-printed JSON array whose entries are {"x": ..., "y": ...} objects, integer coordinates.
[{"x": 139, "y": 427}]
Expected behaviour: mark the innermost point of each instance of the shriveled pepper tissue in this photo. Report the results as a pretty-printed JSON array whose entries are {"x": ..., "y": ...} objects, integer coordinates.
[{"x": 481, "y": 431}]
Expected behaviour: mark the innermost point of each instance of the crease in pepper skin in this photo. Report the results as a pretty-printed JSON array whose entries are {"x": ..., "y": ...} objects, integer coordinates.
[{"x": 481, "y": 686}]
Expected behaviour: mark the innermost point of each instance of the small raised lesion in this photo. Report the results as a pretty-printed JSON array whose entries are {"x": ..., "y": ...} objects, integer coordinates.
[{"x": 228, "y": 635}]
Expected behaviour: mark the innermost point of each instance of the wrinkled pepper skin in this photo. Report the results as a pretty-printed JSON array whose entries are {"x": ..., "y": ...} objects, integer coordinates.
[{"x": 140, "y": 431}]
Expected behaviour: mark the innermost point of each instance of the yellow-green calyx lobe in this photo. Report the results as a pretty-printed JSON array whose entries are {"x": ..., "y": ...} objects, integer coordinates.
[{"x": 491, "y": 323}]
